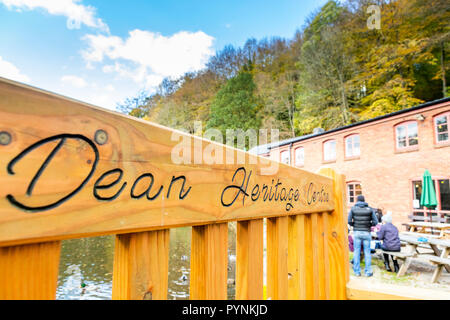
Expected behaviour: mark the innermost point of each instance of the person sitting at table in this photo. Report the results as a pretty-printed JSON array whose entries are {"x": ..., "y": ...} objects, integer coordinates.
[{"x": 391, "y": 241}]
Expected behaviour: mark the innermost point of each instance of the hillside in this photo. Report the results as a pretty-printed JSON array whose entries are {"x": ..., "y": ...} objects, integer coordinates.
[{"x": 333, "y": 72}]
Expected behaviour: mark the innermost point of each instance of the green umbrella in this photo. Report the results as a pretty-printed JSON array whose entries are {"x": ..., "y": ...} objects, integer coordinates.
[{"x": 428, "y": 197}]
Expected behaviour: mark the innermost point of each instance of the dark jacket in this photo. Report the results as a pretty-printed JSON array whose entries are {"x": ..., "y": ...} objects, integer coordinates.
[
  {"x": 389, "y": 234},
  {"x": 361, "y": 217}
]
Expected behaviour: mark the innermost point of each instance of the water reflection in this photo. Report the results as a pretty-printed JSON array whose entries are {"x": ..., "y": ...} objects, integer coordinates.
[
  {"x": 179, "y": 263},
  {"x": 85, "y": 269},
  {"x": 86, "y": 266}
]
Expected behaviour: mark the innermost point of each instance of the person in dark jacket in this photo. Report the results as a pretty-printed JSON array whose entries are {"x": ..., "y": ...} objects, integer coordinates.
[
  {"x": 362, "y": 217},
  {"x": 391, "y": 241}
]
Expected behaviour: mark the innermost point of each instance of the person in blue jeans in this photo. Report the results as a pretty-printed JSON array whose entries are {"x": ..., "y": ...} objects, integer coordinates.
[{"x": 362, "y": 217}]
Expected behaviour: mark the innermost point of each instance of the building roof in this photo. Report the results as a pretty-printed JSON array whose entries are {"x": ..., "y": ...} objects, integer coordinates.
[
  {"x": 263, "y": 148},
  {"x": 305, "y": 137}
]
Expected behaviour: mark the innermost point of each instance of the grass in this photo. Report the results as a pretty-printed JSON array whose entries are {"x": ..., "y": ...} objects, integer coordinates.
[{"x": 390, "y": 277}]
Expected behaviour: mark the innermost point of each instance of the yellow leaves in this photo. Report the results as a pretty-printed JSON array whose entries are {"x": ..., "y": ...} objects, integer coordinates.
[{"x": 395, "y": 95}]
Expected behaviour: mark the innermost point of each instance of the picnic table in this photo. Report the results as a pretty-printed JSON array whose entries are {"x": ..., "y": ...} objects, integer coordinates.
[
  {"x": 439, "y": 258},
  {"x": 423, "y": 227}
]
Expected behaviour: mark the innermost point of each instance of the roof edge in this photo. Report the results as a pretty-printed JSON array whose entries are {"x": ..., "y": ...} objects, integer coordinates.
[{"x": 309, "y": 136}]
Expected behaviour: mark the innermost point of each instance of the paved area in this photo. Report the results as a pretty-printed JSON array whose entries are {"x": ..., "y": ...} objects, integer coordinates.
[{"x": 416, "y": 281}]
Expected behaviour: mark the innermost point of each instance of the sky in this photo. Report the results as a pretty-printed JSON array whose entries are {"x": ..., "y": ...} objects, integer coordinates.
[{"x": 103, "y": 51}]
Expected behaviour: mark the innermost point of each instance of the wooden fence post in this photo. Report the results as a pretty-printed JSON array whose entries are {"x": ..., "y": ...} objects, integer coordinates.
[
  {"x": 336, "y": 237},
  {"x": 141, "y": 266},
  {"x": 249, "y": 260},
  {"x": 209, "y": 261},
  {"x": 29, "y": 272},
  {"x": 277, "y": 258}
]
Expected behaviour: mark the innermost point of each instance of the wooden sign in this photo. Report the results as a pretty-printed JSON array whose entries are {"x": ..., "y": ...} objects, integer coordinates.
[{"x": 69, "y": 169}]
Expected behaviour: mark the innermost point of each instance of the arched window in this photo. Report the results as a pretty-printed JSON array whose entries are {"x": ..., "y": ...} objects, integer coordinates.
[
  {"x": 352, "y": 146},
  {"x": 406, "y": 135},
  {"x": 299, "y": 157},
  {"x": 285, "y": 157},
  {"x": 441, "y": 127},
  {"x": 329, "y": 150},
  {"x": 353, "y": 191}
]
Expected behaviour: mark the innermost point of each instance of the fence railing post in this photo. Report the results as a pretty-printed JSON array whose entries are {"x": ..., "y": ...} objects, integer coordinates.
[
  {"x": 209, "y": 261},
  {"x": 141, "y": 266},
  {"x": 300, "y": 261},
  {"x": 336, "y": 237},
  {"x": 30, "y": 271},
  {"x": 249, "y": 260},
  {"x": 277, "y": 258}
]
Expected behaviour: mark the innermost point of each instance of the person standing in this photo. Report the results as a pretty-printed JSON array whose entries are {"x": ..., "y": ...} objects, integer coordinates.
[
  {"x": 391, "y": 241},
  {"x": 362, "y": 217}
]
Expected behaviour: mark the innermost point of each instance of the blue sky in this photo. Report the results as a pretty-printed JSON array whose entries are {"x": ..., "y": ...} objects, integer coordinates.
[{"x": 101, "y": 51}]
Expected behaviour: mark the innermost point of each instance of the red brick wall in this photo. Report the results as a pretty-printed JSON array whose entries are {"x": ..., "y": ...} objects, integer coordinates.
[{"x": 385, "y": 174}]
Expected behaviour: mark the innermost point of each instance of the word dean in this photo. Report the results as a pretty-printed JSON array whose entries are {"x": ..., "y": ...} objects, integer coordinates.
[
  {"x": 116, "y": 173},
  {"x": 275, "y": 192}
]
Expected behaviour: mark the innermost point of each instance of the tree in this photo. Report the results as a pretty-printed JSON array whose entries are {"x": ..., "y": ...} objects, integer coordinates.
[
  {"x": 327, "y": 67},
  {"x": 236, "y": 105},
  {"x": 333, "y": 72},
  {"x": 136, "y": 106}
]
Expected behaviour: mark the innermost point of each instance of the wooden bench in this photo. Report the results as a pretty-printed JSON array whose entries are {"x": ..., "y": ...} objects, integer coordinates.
[
  {"x": 405, "y": 257},
  {"x": 440, "y": 264}
]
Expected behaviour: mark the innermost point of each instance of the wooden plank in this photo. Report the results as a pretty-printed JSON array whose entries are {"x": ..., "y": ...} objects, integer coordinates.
[
  {"x": 29, "y": 272},
  {"x": 321, "y": 271},
  {"x": 296, "y": 273},
  {"x": 209, "y": 260},
  {"x": 308, "y": 259},
  {"x": 336, "y": 236},
  {"x": 277, "y": 252},
  {"x": 249, "y": 260},
  {"x": 404, "y": 267},
  {"x": 437, "y": 272},
  {"x": 141, "y": 266},
  {"x": 325, "y": 254},
  {"x": 316, "y": 275},
  {"x": 73, "y": 170},
  {"x": 297, "y": 262}
]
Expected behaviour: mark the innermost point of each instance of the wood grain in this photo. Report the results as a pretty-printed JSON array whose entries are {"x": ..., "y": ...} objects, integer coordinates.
[
  {"x": 209, "y": 261},
  {"x": 132, "y": 150},
  {"x": 277, "y": 258},
  {"x": 141, "y": 266},
  {"x": 337, "y": 239},
  {"x": 249, "y": 260},
  {"x": 29, "y": 272},
  {"x": 302, "y": 279}
]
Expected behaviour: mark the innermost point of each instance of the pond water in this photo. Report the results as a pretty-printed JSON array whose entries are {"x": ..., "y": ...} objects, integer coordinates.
[{"x": 86, "y": 266}]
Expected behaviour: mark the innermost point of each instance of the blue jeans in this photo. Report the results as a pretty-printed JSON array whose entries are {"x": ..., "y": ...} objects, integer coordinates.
[{"x": 363, "y": 237}]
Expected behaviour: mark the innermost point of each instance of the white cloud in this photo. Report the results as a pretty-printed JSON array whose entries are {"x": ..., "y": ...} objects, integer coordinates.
[
  {"x": 10, "y": 71},
  {"x": 149, "y": 57},
  {"x": 75, "y": 12},
  {"x": 74, "y": 81}
]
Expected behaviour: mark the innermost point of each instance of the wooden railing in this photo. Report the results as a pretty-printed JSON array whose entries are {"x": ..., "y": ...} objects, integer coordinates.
[{"x": 71, "y": 170}]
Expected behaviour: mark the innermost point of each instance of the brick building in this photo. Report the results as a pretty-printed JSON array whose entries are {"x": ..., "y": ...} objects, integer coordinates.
[{"x": 384, "y": 158}]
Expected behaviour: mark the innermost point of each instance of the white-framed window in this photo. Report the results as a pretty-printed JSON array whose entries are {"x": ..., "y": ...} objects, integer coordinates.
[
  {"x": 285, "y": 157},
  {"x": 406, "y": 135},
  {"x": 329, "y": 150},
  {"x": 353, "y": 191},
  {"x": 441, "y": 125},
  {"x": 352, "y": 146},
  {"x": 300, "y": 157}
]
